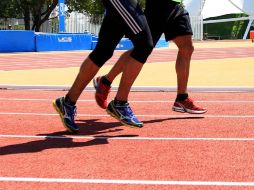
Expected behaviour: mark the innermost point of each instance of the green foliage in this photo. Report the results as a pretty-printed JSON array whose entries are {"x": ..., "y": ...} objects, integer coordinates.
[
  {"x": 9, "y": 9},
  {"x": 142, "y": 3},
  {"x": 93, "y": 7},
  {"x": 227, "y": 30},
  {"x": 41, "y": 10}
]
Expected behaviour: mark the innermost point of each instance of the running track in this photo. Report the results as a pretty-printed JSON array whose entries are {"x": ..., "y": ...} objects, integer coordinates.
[
  {"x": 172, "y": 150},
  {"x": 74, "y": 59}
]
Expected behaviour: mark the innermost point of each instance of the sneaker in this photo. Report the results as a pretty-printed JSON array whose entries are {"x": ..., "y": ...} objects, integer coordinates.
[
  {"x": 67, "y": 114},
  {"x": 101, "y": 93},
  {"x": 124, "y": 114},
  {"x": 188, "y": 106}
]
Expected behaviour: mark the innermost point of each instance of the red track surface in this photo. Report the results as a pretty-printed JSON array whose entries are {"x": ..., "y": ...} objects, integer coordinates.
[
  {"x": 74, "y": 59},
  {"x": 220, "y": 159}
]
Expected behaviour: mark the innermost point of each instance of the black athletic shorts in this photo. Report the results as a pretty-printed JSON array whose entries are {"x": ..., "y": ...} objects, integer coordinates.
[
  {"x": 123, "y": 18},
  {"x": 168, "y": 17}
]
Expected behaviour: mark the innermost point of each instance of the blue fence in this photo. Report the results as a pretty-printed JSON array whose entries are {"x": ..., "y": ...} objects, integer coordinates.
[
  {"x": 29, "y": 41},
  {"x": 17, "y": 41},
  {"x": 126, "y": 44},
  {"x": 63, "y": 42}
]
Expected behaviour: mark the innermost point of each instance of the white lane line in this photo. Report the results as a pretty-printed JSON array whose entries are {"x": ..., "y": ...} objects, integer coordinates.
[
  {"x": 132, "y": 182},
  {"x": 223, "y": 89},
  {"x": 128, "y": 138},
  {"x": 136, "y": 101},
  {"x": 189, "y": 116}
]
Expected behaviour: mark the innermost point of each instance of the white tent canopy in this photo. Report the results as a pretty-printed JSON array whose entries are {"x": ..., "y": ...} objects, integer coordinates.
[
  {"x": 246, "y": 6},
  {"x": 213, "y": 8}
]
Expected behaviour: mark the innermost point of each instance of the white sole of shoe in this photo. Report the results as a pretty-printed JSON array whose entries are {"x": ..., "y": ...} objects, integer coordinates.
[{"x": 185, "y": 110}]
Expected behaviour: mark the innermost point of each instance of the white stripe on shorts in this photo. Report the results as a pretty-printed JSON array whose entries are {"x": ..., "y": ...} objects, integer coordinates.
[{"x": 126, "y": 16}]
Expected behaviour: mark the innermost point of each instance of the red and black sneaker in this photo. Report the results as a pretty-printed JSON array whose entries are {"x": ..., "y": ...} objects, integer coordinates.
[
  {"x": 188, "y": 106},
  {"x": 102, "y": 91}
]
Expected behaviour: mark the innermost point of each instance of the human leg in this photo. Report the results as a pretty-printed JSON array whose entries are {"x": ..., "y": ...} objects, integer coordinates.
[
  {"x": 102, "y": 84},
  {"x": 143, "y": 45},
  {"x": 118, "y": 108},
  {"x": 185, "y": 49},
  {"x": 179, "y": 30},
  {"x": 182, "y": 66},
  {"x": 109, "y": 37},
  {"x": 153, "y": 12},
  {"x": 118, "y": 66}
]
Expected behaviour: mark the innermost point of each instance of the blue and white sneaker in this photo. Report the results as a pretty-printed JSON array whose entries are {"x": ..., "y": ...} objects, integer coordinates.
[
  {"x": 124, "y": 114},
  {"x": 67, "y": 114}
]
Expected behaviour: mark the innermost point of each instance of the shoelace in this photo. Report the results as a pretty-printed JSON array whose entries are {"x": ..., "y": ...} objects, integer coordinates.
[
  {"x": 71, "y": 111},
  {"x": 128, "y": 111},
  {"x": 189, "y": 103}
]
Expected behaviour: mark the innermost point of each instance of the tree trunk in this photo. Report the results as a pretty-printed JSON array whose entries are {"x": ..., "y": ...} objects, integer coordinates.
[
  {"x": 27, "y": 18},
  {"x": 37, "y": 24},
  {"x": 41, "y": 17}
]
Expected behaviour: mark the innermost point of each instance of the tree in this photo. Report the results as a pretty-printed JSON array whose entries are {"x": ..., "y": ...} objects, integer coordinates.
[
  {"x": 93, "y": 8},
  {"x": 9, "y": 9},
  {"x": 40, "y": 10}
]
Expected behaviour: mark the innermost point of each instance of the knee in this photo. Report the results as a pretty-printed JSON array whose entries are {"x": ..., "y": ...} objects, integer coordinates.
[
  {"x": 100, "y": 57},
  {"x": 142, "y": 52},
  {"x": 186, "y": 49},
  {"x": 147, "y": 48}
]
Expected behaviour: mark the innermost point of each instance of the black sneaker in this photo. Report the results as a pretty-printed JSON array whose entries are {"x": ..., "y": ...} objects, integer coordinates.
[
  {"x": 124, "y": 114},
  {"x": 67, "y": 114}
]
